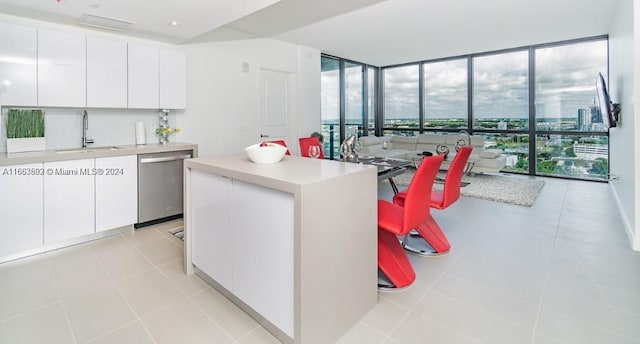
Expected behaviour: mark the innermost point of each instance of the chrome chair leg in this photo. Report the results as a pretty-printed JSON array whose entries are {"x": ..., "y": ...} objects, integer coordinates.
[{"x": 416, "y": 244}]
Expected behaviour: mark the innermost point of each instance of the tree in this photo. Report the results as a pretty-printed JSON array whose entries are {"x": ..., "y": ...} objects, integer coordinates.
[
  {"x": 599, "y": 167},
  {"x": 569, "y": 152},
  {"x": 547, "y": 166}
]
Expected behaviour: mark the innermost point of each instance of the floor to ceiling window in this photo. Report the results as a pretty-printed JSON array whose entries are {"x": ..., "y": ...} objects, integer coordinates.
[
  {"x": 353, "y": 97},
  {"x": 571, "y": 138},
  {"x": 348, "y": 91},
  {"x": 402, "y": 100},
  {"x": 330, "y": 103},
  {"x": 501, "y": 104},
  {"x": 445, "y": 94},
  {"x": 535, "y": 103},
  {"x": 501, "y": 91}
]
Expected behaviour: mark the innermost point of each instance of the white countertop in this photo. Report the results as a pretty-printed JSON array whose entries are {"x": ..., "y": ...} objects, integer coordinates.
[
  {"x": 286, "y": 175},
  {"x": 7, "y": 159}
]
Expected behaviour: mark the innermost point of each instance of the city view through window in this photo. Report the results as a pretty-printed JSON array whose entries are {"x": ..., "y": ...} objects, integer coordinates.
[{"x": 568, "y": 137}]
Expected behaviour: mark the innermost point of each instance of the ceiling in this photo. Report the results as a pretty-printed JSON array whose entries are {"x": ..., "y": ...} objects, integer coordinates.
[{"x": 378, "y": 32}]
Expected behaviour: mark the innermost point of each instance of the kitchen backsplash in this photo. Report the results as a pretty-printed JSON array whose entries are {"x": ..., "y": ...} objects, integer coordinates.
[{"x": 107, "y": 127}]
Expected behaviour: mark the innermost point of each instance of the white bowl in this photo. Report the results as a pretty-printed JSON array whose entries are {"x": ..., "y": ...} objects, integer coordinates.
[{"x": 268, "y": 154}]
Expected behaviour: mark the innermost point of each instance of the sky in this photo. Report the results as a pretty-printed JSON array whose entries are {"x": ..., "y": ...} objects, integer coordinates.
[{"x": 565, "y": 81}]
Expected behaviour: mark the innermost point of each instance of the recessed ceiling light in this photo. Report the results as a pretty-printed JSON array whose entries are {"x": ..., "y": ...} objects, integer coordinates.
[
  {"x": 94, "y": 5},
  {"x": 175, "y": 23}
]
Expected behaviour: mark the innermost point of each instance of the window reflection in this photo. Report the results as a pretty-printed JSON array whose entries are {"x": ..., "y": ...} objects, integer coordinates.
[{"x": 565, "y": 86}]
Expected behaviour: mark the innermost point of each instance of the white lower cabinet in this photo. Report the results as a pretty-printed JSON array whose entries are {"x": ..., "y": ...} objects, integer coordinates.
[
  {"x": 116, "y": 192},
  {"x": 20, "y": 208},
  {"x": 243, "y": 239},
  {"x": 212, "y": 249},
  {"x": 263, "y": 227},
  {"x": 68, "y": 200}
]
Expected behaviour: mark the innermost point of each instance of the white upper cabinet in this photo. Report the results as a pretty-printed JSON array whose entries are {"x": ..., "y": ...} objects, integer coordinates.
[
  {"x": 173, "y": 79},
  {"x": 41, "y": 67},
  {"x": 106, "y": 73},
  {"x": 62, "y": 69},
  {"x": 18, "y": 65},
  {"x": 143, "y": 77}
]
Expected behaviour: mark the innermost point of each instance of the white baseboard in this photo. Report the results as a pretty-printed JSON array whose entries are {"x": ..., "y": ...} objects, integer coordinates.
[{"x": 635, "y": 242}]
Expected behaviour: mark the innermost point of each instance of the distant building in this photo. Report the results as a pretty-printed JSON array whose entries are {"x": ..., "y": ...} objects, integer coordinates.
[
  {"x": 584, "y": 120},
  {"x": 590, "y": 152},
  {"x": 596, "y": 116}
]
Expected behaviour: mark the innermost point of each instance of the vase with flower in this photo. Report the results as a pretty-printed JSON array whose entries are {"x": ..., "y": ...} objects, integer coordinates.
[
  {"x": 164, "y": 130},
  {"x": 163, "y": 134}
]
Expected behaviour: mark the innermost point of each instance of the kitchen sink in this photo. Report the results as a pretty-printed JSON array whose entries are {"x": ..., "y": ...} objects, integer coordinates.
[{"x": 87, "y": 149}]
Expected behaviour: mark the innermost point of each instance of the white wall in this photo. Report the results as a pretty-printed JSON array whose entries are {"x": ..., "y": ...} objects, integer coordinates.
[
  {"x": 624, "y": 78},
  {"x": 223, "y": 101}
]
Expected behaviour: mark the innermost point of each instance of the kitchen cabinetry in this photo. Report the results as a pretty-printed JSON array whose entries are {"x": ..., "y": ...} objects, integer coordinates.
[
  {"x": 214, "y": 257},
  {"x": 20, "y": 208},
  {"x": 106, "y": 73},
  {"x": 240, "y": 219},
  {"x": 18, "y": 65},
  {"x": 143, "y": 77},
  {"x": 249, "y": 224},
  {"x": 173, "y": 79},
  {"x": 116, "y": 192},
  {"x": 41, "y": 67},
  {"x": 270, "y": 238},
  {"x": 68, "y": 200},
  {"x": 62, "y": 67}
]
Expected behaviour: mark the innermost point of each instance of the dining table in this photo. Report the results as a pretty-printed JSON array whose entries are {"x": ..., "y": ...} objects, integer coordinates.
[{"x": 387, "y": 168}]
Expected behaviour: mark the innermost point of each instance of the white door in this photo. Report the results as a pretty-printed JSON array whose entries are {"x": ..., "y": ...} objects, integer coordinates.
[{"x": 278, "y": 99}]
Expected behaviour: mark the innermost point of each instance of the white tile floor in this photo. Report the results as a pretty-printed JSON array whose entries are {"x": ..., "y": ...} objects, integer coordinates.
[{"x": 558, "y": 272}]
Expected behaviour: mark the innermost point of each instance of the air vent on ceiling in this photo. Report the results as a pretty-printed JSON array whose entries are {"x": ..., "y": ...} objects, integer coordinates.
[{"x": 104, "y": 22}]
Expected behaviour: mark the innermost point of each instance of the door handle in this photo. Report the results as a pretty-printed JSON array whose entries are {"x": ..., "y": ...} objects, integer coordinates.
[{"x": 264, "y": 135}]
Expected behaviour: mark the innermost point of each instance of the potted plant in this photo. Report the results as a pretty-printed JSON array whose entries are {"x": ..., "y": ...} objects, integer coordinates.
[{"x": 25, "y": 130}]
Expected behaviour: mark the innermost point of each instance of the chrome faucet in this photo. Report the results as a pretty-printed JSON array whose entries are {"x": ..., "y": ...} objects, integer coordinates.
[{"x": 85, "y": 126}]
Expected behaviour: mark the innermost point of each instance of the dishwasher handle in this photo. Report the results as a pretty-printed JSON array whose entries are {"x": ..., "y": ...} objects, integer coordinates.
[{"x": 165, "y": 158}]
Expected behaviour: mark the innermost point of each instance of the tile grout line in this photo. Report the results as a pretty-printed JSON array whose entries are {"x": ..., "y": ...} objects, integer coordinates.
[
  {"x": 215, "y": 322},
  {"x": 553, "y": 253},
  {"x": 189, "y": 296},
  {"x": 429, "y": 289},
  {"x": 115, "y": 285},
  {"x": 58, "y": 290}
]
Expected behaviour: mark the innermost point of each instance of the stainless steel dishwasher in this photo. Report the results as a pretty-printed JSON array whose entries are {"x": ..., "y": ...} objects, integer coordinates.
[{"x": 160, "y": 185}]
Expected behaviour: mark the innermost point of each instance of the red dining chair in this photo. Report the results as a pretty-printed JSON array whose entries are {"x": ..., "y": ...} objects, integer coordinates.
[
  {"x": 440, "y": 200},
  {"x": 282, "y": 143},
  {"x": 306, "y": 142},
  {"x": 395, "y": 220}
]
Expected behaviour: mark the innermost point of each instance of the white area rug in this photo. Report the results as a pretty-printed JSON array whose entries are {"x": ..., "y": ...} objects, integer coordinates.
[{"x": 511, "y": 189}]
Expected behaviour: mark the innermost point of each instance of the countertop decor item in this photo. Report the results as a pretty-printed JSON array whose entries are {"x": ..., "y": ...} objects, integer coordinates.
[
  {"x": 265, "y": 152},
  {"x": 164, "y": 130},
  {"x": 349, "y": 149},
  {"x": 141, "y": 138},
  {"x": 25, "y": 130}
]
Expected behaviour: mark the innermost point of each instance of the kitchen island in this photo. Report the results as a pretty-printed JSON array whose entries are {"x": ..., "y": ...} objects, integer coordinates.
[{"x": 293, "y": 243}]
